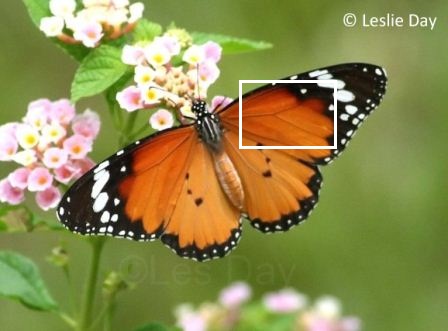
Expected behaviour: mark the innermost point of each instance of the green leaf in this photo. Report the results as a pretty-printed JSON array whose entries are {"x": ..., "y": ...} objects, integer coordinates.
[
  {"x": 20, "y": 280},
  {"x": 231, "y": 45},
  {"x": 155, "y": 326},
  {"x": 38, "y": 9},
  {"x": 146, "y": 31},
  {"x": 99, "y": 70}
]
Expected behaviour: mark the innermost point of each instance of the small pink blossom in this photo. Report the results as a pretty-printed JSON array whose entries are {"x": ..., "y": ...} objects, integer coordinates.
[
  {"x": 62, "y": 111},
  {"x": 49, "y": 198},
  {"x": 87, "y": 124},
  {"x": 220, "y": 102},
  {"x": 19, "y": 178},
  {"x": 190, "y": 320},
  {"x": 130, "y": 98},
  {"x": 284, "y": 301},
  {"x": 38, "y": 113},
  {"x": 350, "y": 324},
  {"x": 161, "y": 120},
  {"x": 82, "y": 166},
  {"x": 55, "y": 157},
  {"x": 10, "y": 194},
  {"x": 39, "y": 179},
  {"x": 88, "y": 32},
  {"x": 133, "y": 55},
  {"x": 212, "y": 51},
  {"x": 208, "y": 72},
  {"x": 8, "y": 146},
  {"x": 66, "y": 173},
  {"x": 171, "y": 44},
  {"x": 77, "y": 146},
  {"x": 235, "y": 295}
]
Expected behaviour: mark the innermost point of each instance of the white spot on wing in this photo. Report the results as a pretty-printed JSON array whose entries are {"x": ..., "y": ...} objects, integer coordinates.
[
  {"x": 100, "y": 202},
  {"x": 101, "y": 166},
  {"x": 318, "y": 73},
  {"x": 101, "y": 178},
  {"x": 345, "y": 96},
  {"x": 351, "y": 109},
  {"x": 105, "y": 217}
]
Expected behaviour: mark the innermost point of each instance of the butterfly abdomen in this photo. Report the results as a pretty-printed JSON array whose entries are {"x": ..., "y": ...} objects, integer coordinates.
[{"x": 229, "y": 179}]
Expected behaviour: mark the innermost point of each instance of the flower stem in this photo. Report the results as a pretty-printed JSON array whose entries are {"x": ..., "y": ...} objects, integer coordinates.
[{"x": 97, "y": 244}]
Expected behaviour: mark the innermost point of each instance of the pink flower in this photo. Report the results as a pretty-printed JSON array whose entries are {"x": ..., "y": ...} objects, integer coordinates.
[
  {"x": 39, "y": 179},
  {"x": 87, "y": 124},
  {"x": 9, "y": 194},
  {"x": 171, "y": 44},
  {"x": 88, "y": 32},
  {"x": 8, "y": 145},
  {"x": 212, "y": 51},
  {"x": 49, "y": 198},
  {"x": 220, "y": 102},
  {"x": 55, "y": 157},
  {"x": 133, "y": 55},
  {"x": 82, "y": 166},
  {"x": 208, "y": 72},
  {"x": 189, "y": 320},
  {"x": 62, "y": 111},
  {"x": 19, "y": 178},
  {"x": 161, "y": 120},
  {"x": 350, "y": 324},
  {"x": 38, "y": 113},
  {"x": 65, "y": 173},
  {"x": 284, "y": 301},
  {"x": 130, "y": 98},
  {"x": 235, "y": 295},
  {"x": 77, "y": 146}
]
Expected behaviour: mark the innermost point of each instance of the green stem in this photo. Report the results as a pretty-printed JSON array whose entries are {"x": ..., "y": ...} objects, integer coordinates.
[
  {"x": 124, "y": 139},
  {"x": 89, "y": 294}
]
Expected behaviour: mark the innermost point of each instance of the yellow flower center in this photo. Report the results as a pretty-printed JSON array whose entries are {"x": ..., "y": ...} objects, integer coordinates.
[{"x": 30, "y": 140}]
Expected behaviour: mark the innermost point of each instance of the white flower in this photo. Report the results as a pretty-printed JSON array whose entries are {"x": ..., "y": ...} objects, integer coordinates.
[
  {"x": 328, "y": 307},
  {"x": 152, "y": 94},
  {"x": 157, "y": 55},
  {"x": 52, "y": 26},
  {"x": 194, "y": 55},
  {"x": 62, "y": 8},
  {"x": 53, "y": 133},
  {"x": 117, "y": 17},
  {"x": 25, "y": 158},
  {"x": 144, "y": 75},
  {"x": 27, "y": 136},
  {"x": 136, "y": 12},
  {"x": 120, "y": 3}
]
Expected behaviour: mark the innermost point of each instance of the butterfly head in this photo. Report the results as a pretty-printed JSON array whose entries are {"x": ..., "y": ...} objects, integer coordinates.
[{"x": 199, "y": 108}]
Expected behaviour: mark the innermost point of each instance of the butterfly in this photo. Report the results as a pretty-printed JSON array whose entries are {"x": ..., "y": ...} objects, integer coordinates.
[{"x": 191, "y": 186}]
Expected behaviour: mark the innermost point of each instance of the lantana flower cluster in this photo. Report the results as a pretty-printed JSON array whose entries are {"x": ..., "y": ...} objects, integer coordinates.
[
  {"x": 229, "y": 312},
  {"x": 51, "y": 146},
  {"x": 95, "y": 20},
  {"x": 170, "y": 71}
]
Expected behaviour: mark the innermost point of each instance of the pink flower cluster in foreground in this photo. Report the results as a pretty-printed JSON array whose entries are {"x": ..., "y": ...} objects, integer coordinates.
[
  {"x": 50, "y": 146},
  {"x": 168, "y": 72},
  {"x": 95, "y": 20},
  {"x": 229, "y": 312}
]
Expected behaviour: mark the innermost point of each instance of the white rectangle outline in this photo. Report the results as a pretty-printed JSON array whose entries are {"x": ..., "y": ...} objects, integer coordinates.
[{"x": 286, "y": 81}]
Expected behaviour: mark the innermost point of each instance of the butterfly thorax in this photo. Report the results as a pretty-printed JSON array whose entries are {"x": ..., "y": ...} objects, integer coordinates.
[
  {"x": 210, "y": 131},
  {"x": 208, "y": 126}
]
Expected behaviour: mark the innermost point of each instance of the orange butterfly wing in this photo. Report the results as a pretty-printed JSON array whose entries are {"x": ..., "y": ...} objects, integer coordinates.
[{"x": 162, "y": 187}]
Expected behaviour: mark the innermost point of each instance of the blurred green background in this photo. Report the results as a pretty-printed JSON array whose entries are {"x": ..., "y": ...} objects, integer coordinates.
[{"x": 378, "y": 239}]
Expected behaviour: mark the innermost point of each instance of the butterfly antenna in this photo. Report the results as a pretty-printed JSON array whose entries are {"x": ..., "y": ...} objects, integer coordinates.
[{"x": 197, "y": 81}]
